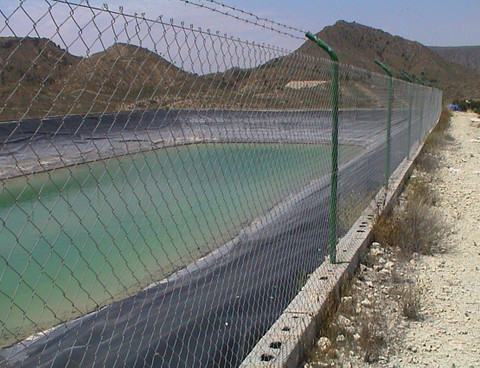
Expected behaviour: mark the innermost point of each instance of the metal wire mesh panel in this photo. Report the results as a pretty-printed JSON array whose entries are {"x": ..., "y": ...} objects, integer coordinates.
[{"x": 164, "y": 189}]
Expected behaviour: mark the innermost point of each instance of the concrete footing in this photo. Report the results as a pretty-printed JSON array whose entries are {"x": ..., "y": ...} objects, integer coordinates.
[{"x": 293, "y": 334}]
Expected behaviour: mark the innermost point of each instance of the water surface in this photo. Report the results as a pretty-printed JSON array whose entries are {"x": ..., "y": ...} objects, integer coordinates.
[{"x": 77, "y": 238}]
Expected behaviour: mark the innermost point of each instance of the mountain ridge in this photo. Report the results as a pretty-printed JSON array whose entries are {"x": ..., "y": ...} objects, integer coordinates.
[
  {"x": 360, "y": 45},
  {"x": 468, "y": 56},
  {"x": 38, "y": 78}
]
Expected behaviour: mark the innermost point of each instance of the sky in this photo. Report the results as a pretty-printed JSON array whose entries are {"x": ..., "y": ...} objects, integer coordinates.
[{"x": 431, "y": 22}]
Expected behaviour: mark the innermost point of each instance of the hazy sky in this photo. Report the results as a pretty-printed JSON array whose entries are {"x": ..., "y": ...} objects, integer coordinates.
[{"x": 431, "y": 22}]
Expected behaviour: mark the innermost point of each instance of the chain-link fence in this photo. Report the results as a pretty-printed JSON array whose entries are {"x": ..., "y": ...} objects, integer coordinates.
[{"x": 165, "y": 189}]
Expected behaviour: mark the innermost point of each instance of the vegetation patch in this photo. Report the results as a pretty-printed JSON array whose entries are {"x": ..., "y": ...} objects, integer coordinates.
[
  {"x": 468, "y": 104},
  {"x": 411, "y": 301}
]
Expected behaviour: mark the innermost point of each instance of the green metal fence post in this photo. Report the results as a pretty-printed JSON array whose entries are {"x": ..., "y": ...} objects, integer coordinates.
[
  {"x": 389, "y": 120},
  {"x": 332, "y": 235},
  {"x": 410, "y": 103}
]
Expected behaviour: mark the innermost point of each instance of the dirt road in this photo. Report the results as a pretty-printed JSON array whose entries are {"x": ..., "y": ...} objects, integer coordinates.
[
  {"x": 371, "y": 327},
  {"x": 449, "y": 334}
]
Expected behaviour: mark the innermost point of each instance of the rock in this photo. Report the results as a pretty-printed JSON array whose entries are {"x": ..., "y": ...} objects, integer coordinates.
[
  {"x": 389, "y": 265},
  {"x": 340, "y": 338},
  {"x": 343, "y": 321},
  {"x": 377, "y": 252},
  {"x": 324, "y": 344},
  {"x": 356, "y": 337},
  {"x": 366, "y": 303},
  {"x": 347, "y": 301},
  {"x": 382, "y": 359},
  {"x": 385, "y": 272},
  {"x": 321, "y": 365},
  {"x": 384, "y": 275}
]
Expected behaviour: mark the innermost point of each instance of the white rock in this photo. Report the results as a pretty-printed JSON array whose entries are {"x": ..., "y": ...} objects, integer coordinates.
[
  {"x": 343, "y": 321},
  {"x": 385, "y": 272},
  {"x": 377, "y": 252},
  {"x": 366, "y": 303},
  {"x": 347, "y": 300},
  {"x": 389, "y": 265},
  {"x": 340, "y": 338},
  {"x": 324, "y": 344}
]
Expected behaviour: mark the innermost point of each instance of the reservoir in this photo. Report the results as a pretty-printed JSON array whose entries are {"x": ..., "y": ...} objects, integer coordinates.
[{"x": 77, "y": 238}]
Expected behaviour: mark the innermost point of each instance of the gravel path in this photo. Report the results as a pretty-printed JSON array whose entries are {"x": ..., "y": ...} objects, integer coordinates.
[{"x": 449, "y": 334}]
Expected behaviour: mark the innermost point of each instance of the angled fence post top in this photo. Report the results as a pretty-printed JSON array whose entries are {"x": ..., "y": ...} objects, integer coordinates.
[
  {"x": 419, "y": 80},
  {"x": 406, "y": 76},
  {"x": 323, "y": 45},
  {"x": 378, "y": 62}
]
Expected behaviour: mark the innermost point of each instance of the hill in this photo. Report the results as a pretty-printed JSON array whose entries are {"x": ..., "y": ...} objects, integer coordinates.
[
  {"x": 359, "y": 45},
  {"x": 34, "y": 62},
  {"x": 39, "y": 79},
  {"x": 468, "y": 56}
]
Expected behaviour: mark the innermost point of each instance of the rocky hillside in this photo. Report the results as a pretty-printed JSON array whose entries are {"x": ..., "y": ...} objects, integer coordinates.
[
  {"x": 31, "y": 67},
  {"x": 359, "y": 45},
  {"x": 468, "y": 56},
  {"x": 38, "y": 78}
]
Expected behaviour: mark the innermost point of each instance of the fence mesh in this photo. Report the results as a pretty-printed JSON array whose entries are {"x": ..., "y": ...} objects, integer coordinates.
[{"x": 164, "y": 188}]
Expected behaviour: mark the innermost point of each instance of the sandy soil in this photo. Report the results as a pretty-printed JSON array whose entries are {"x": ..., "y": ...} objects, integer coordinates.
[
  {"x": 370, "y": 328},
  {"x": 449, "y": 334}
]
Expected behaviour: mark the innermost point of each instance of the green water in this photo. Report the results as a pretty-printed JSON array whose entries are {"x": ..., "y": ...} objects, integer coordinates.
[{"x": 77, "y": 238}]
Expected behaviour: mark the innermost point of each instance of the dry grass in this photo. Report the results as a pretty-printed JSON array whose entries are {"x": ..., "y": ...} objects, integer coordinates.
[
  {"x": 420, "y": 190},
  {"x": 411, "y": 301},
  {"x": 428, "y": 160},
  {"x": 440, "y": 136},
  {"x": 371, "y": 338},
  {"x": 415, "y": 227},
  {"x": 369, "y": 327}
]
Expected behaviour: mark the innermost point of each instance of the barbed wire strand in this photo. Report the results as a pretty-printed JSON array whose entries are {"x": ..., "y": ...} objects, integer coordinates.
[{"x": 237, "y": 17}]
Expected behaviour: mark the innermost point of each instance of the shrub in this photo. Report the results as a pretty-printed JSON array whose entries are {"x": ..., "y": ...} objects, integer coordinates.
[
  {"x": 415, "y": 228},
  {"x": 411, "y": 302},
  {"x": 467, "y": 104}
]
